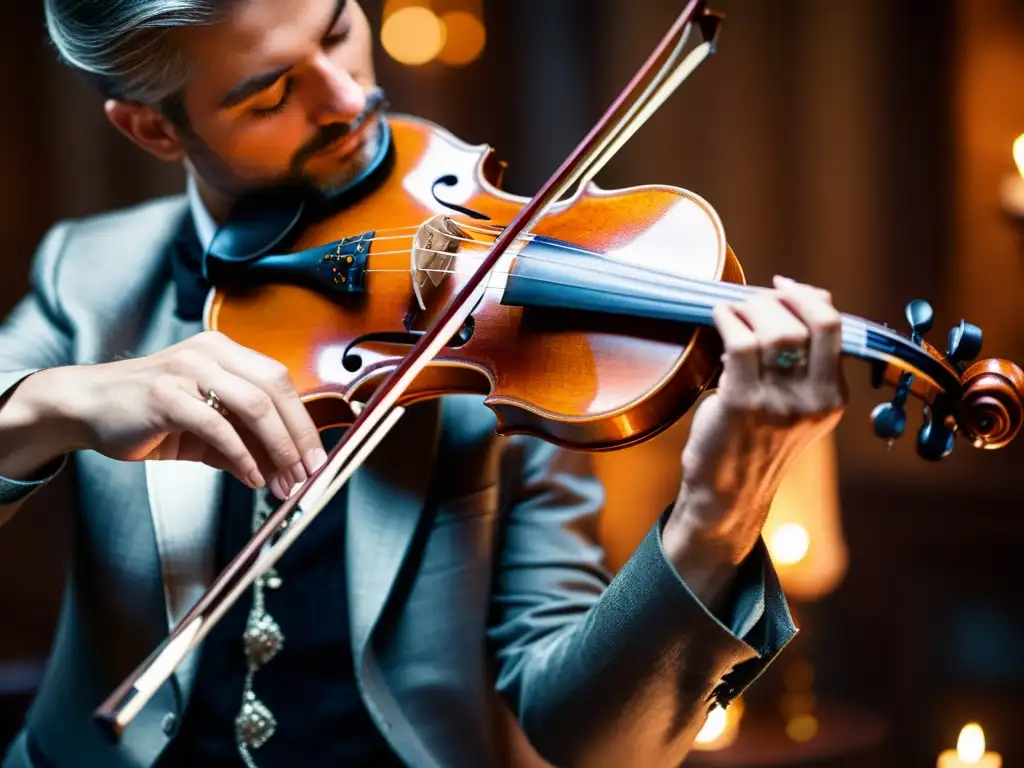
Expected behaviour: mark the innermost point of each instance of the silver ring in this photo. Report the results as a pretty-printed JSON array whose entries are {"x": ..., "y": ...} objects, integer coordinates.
[{"x": 787, "y": 361}]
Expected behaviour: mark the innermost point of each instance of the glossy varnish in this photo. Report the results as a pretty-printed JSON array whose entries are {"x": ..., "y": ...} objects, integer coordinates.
[{"x": 584, "y": 380}]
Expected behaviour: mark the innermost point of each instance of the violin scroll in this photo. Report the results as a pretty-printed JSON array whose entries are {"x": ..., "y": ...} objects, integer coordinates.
[
  {"x": 990, "y": 412},
  {"x": 981, "y": 400}
]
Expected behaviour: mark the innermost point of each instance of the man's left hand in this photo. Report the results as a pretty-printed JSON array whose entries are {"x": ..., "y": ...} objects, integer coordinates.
[{"x": 781, "y": 388}]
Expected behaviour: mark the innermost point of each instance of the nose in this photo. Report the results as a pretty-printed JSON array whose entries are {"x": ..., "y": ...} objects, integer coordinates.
[{"x": 341, "y": 98}]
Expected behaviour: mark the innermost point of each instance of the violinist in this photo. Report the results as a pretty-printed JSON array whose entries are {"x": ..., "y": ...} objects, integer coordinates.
[{"x": 375, "y": 641}]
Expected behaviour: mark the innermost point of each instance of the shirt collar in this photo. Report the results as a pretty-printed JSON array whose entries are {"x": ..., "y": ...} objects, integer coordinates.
[{"x": 206, "y": 227}]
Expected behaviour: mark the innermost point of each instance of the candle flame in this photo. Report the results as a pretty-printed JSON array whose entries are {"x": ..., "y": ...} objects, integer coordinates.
[
  {"x": 970, "y": 745},
  {"x": 1018, "y": 154}
]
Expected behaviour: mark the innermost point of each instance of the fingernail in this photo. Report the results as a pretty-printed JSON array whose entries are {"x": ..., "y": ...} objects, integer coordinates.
[
  {"x": 298, "y": 474},
  {"x": 277, "y": 488},
  {"x": 784, "y": 280},
  {"x": 315, "y": 459},
  {"x": 256, "y": 479}
]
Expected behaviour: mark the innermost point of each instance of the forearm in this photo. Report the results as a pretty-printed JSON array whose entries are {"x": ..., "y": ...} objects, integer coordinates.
[
  {"x": 34, "y": 428},
  {"x": 632, "y": 682}
]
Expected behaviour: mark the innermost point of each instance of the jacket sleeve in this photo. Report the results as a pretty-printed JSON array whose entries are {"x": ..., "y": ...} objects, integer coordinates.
[
  {"x": 606, "y": 670},
  {"x": 35, "y": 335}
]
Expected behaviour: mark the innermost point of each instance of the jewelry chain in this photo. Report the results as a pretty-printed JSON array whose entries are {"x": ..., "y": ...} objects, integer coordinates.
[{"x": 263, "y": 639}]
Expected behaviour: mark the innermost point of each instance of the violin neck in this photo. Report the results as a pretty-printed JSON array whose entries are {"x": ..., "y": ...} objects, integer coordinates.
[{"x": 550, "y": 274}]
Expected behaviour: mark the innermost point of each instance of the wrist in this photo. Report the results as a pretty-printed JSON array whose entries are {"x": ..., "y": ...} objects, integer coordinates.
[
  {"x": 704, "y": 537},
  {"x": 37, "y": 425}
]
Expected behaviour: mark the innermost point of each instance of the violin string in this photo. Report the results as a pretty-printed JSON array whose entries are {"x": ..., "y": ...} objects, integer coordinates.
[
  {"x": 490, "y": 231},
  {"x": 493, "y": 231},
  {"x": 849, "y": 322},
  {"x": 703, "y": 290},
  {"x": 717, "y": 289},
  {"x": 851, "y": 325},
  {"x": 559, "y": 245}
]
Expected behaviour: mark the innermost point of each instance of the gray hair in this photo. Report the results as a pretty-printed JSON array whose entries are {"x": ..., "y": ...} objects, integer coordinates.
[{"x": 125, "y": 45}]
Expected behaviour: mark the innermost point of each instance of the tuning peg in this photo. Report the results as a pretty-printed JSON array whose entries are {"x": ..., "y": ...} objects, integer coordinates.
[
  {"x": 920, "y": 316},
  {"x": 935, "y": 440},
  {"x": 964, "y": 344},
  {"x": 889, "y": 420}
]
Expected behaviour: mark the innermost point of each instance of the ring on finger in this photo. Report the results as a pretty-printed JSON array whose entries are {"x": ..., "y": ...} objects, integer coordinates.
[
  {"x": 788, "y": 361},
  {"x": 214, "y": 402}
]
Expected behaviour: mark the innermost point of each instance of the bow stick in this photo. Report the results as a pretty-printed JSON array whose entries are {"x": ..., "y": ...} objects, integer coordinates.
[{"x": 660, "y": 75}]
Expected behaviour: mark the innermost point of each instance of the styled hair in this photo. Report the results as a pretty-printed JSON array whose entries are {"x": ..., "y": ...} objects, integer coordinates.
[{"x": 126, "y": 46}]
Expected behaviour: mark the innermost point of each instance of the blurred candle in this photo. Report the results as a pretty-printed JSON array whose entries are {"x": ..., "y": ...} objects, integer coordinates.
[
  {"x": 970, "y": 751},
  {"x": 1012, "y": 188},
  {"x": 804, "y": 529}
]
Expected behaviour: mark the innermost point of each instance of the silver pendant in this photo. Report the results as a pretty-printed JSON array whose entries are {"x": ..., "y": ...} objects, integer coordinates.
[
  {"x": 255, "y": 724},
  {"x": 263, "y": 639}
]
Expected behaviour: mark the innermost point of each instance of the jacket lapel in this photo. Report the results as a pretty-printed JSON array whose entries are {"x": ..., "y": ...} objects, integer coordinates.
[{"x": 387, "y": 496}]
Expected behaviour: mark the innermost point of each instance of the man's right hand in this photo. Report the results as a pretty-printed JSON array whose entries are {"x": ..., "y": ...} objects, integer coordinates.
[{"x": 156, "y": 407}]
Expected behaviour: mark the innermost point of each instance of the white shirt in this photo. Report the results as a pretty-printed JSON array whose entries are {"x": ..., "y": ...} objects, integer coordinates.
[{"x": 206, "y": 227}]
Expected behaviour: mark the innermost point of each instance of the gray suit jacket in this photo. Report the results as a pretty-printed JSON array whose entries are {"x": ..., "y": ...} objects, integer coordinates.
[{"x": 478, "y": 597}]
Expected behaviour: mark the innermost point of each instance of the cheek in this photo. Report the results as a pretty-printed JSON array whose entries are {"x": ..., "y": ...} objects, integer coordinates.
[{"x": 268, "y": 142}]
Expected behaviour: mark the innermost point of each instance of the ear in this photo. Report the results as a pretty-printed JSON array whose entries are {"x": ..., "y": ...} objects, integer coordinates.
[{"x": 146, "y": 127}]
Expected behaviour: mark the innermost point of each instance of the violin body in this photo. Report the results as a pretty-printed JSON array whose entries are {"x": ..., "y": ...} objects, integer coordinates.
[{"x": 584, "y": 380}]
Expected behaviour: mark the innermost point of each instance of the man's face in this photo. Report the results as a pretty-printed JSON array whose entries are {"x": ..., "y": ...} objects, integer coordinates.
[{"x": 279, "y": 86}]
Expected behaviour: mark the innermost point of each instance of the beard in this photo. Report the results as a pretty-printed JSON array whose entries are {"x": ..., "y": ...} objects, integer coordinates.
[{"x": 227, "y": 181}]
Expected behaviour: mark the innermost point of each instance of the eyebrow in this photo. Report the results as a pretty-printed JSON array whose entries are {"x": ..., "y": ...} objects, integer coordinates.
[{"x": 260, "y": 82}]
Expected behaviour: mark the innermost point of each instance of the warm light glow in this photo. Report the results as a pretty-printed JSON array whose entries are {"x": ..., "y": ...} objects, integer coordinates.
[
  {"x": 1018, "y": 154},
  {"x": 970, "y": 745},
  {"x": 1011, "y": 189},
  {"x": 721, "y": 727},
  {"x": 714, "y": 726},
  {"x": 802, "y": 728},
  {"x": 790, "y": 543},
  {"x": 804, "y": 529},
  {"x": 797, "y": 703},
  {"x": 412, "y": 35},
  {"x": 465, "y": 37}
]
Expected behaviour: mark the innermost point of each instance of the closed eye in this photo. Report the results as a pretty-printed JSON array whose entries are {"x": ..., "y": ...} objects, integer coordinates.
[
  {"x": 337, "y": 38},
  {"x": 286, "y": 90}
]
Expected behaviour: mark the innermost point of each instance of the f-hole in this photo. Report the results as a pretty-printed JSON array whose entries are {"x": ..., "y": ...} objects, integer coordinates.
[
  {"x": 451, "y": 180},
  {"x": 353, "y": 361}
]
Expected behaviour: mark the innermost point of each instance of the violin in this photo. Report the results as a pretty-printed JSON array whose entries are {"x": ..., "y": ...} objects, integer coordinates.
[
  {"x": 583, "y": 320},
  {"x": 593, "y": 332}
]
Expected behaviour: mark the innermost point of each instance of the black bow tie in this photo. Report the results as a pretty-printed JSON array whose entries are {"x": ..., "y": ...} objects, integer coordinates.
[{"x": 187, "y": 270}]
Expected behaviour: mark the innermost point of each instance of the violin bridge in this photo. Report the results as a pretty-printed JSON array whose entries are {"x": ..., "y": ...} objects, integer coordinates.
[{"x": 433, "y": 251}]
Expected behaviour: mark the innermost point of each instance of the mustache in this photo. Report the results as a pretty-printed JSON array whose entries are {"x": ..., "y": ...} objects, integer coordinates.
[{"x": 376, "y": 101}]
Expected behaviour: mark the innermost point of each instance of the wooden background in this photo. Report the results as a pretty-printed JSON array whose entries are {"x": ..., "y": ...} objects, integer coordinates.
[{"x": 856, "y": 144}]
